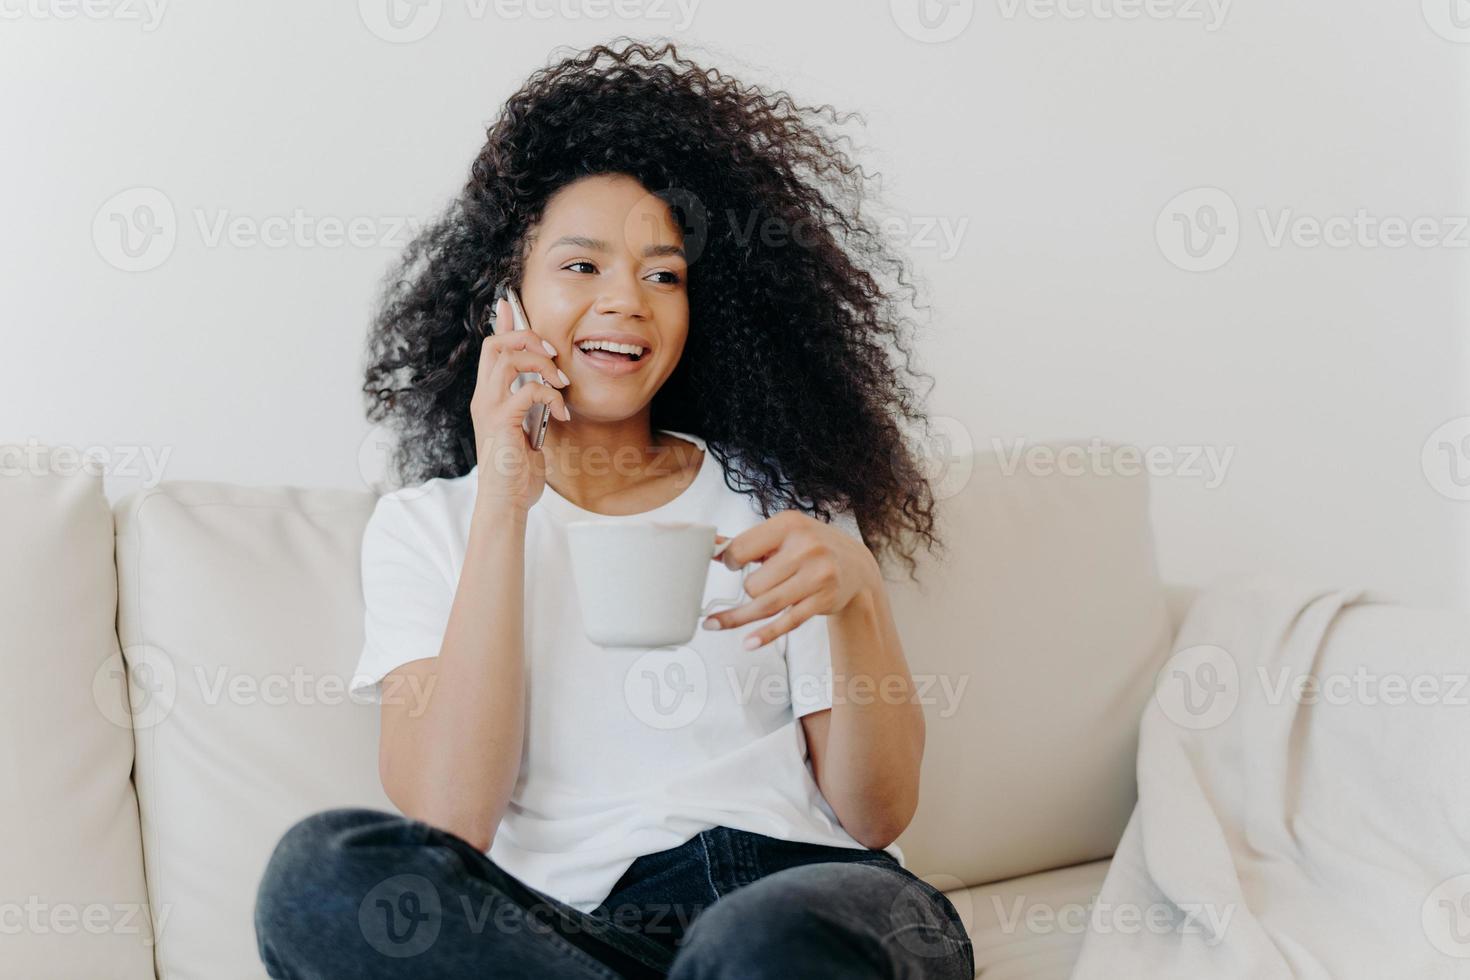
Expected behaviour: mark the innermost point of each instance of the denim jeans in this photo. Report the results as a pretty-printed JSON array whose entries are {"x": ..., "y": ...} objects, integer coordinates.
[{"x": 354, "y": 892}]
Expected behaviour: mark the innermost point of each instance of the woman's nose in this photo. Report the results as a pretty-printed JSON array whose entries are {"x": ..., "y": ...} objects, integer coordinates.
[{"x": 622, "y": 295}]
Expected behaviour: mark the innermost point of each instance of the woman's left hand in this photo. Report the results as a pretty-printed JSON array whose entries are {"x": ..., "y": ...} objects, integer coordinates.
[{"x": 808, "y": 568}]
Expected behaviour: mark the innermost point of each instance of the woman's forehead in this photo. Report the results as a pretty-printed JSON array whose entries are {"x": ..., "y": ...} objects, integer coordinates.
[{"x": 605, "y": 213}]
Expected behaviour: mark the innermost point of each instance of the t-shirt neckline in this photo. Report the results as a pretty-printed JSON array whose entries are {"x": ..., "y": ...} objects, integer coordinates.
[{"x": 564, "y": 510}]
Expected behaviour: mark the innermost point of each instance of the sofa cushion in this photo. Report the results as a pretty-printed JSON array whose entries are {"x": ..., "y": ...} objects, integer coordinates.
[
  {"x": 72, "y": 896},
  {"x": 241, "y": 612},
  {"x": 1038, "y": 634},
  {"x": 1030, "y": 928}
]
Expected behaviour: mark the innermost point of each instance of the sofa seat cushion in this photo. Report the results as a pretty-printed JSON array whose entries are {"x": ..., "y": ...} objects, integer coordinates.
[{"x": 1030, "y": 928}]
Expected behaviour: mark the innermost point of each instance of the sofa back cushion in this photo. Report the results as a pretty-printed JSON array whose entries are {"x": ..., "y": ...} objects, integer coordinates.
[
  {"x": 241, "y": 617},
  {"x": 1038, "y": 634},
  {"x": 72, "y": 898}
]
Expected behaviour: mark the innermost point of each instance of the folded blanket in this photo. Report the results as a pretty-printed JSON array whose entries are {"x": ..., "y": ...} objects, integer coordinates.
[{"x": 1304, "y": 796}]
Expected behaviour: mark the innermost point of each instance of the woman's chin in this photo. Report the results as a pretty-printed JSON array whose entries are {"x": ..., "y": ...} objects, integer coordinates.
[{"x": 603, "y": 411}]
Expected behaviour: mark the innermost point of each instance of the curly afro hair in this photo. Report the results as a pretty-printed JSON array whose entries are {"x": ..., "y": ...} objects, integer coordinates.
[{"x": 787, "y": 372}]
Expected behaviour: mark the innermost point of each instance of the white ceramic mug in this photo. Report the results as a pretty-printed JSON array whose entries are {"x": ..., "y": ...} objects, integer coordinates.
[{"x": 640, "y": 583}]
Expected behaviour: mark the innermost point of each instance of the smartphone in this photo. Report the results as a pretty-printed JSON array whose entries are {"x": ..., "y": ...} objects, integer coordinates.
[{"x": 539, "y": 414}]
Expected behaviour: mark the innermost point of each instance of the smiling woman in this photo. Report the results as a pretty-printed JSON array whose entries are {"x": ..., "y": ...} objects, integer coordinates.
[
  {"x": 753, "y": 217},
  {"x": 597, "y": 790}
]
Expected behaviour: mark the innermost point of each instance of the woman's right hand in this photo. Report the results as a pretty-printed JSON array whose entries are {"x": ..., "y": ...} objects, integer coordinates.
[{"x": 511, "y": 473}]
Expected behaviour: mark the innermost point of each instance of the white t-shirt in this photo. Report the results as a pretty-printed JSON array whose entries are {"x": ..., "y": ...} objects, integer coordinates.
[{"x": 627, "y": 751}]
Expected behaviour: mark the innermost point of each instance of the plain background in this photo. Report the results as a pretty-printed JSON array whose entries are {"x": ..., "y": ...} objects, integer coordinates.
[{"x": 1029, "y": 162}]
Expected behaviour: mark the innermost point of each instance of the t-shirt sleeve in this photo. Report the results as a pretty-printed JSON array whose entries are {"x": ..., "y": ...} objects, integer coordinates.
[
  {"x": 808, "y": 649},
  {"x": 406, "y": 598}
]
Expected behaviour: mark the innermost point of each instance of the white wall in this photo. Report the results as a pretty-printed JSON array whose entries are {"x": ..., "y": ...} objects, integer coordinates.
[{"x": 1047, "y": 145}]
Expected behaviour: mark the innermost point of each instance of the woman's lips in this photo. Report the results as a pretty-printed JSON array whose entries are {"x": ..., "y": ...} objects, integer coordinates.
[{"x": 611, "y": 364}]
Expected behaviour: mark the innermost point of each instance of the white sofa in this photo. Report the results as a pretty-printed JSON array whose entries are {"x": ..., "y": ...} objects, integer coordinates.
[{"x": 177, "y": 668}]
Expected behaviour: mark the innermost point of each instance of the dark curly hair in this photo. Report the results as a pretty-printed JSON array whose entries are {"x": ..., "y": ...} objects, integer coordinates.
[{"x": 786, "y": 372}]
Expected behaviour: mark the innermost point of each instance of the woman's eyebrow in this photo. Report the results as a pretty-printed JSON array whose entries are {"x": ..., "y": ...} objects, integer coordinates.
[{"x": 598, "y": 245}]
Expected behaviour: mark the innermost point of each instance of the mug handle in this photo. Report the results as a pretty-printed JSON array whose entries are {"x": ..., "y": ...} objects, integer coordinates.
[{"x": 709, "y": 607}]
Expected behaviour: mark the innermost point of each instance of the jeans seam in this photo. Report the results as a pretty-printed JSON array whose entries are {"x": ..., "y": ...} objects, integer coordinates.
[
  {"x": 955, "y": 946},
  {"x": 708, "y": 866},
  {"x": 749, "y": 858},
  {"x": 733, "y": 849},
  {"x": 946, "y": 908},
  {"x": 942, "y": 905}
]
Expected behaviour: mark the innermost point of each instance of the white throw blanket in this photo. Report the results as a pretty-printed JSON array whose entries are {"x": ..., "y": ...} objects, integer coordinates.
[{"x": 1304, "y": 797}]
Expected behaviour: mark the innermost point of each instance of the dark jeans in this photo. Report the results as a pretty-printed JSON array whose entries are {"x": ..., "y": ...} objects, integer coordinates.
[{"x": 354, "y": 892}]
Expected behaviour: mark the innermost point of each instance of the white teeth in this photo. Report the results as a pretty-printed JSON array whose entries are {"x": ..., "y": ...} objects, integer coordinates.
[{"x": 633, "y": 349}]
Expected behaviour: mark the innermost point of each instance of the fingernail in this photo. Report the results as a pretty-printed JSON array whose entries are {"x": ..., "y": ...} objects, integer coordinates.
[
  {"x": 549, "y": 349},
  {"x": 711, "y": 624},
  {"x": 563, "y": 375},
  {"x": 566, "y": 412},
  {"x": 752, "y": 642}
]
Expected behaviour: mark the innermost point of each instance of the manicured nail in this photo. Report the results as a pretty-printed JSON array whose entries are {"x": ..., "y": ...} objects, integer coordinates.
[
  {"x": 563, "y": 375},
  {"x": 752, "y": 642},
  {"x": 567, "y": 412},
  {"x": 711, "y": 624},
  {"x": 549, "y": 349}
]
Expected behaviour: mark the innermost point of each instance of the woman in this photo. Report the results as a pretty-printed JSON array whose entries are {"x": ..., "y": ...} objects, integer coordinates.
[{"x": 554, "y": 823}]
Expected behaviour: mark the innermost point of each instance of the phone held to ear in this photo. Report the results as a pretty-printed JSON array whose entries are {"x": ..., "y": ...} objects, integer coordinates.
[{"x": 539, "y": 414}]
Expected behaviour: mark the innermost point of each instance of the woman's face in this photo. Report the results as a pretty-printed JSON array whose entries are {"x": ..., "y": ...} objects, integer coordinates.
[{"x": 607, "y": 260}]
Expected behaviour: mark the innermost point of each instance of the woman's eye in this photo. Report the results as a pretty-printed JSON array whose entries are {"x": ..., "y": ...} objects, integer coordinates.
[{"x": 673, "y": 277}]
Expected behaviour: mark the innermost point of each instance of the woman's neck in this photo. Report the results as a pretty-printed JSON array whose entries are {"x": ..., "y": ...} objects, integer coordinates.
[{"x": 621, "y": 467}]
